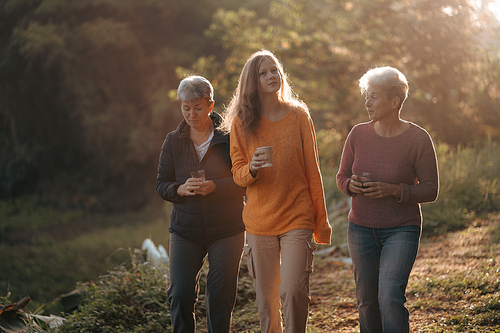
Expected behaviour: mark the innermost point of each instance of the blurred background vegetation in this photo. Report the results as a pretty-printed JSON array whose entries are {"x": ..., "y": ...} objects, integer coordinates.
[
  {"x": 87, "y": 95},
  {"x": 86, "y": 86}
]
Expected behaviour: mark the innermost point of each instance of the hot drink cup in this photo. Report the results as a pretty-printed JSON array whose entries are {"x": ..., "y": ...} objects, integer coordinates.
[{"x": 268, "y": 153}]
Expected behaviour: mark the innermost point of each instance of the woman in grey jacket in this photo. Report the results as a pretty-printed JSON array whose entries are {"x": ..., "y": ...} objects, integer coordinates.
[{"x": 206, "y": 218}]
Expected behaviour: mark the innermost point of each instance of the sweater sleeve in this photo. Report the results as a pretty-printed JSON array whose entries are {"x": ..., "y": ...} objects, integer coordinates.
[
  {"x": 239, "y": 156},
  {"x": 227, "y": 188},
  {"x": 322, "y": 229},
  {"x": 345, "y": 169},
  {"x": 166, "y": 186},
  {"x": 426, "y": 168}
]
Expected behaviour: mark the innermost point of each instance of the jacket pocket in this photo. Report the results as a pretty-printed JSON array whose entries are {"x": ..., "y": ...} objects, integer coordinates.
[
  {"x": 173, "y": 217},
  {"x": 248, "y": 253}
]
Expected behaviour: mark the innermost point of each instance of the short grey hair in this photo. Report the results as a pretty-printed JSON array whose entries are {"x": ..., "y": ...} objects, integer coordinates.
[
  {"x": 391, "y": 80},
  {"x": 193, "y": 88}
]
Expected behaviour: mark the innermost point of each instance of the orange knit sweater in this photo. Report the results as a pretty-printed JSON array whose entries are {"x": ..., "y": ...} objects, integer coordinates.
[{"x": 289, "y": 195}]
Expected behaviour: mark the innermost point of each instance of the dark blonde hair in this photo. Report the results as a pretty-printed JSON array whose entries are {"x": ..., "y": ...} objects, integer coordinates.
[
  {"x": 245, "y": 102},
  {"x": 391, "y": 80}
]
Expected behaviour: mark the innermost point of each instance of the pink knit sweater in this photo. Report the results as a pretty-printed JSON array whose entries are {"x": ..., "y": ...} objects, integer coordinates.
[{"x": 408, "y": 159}]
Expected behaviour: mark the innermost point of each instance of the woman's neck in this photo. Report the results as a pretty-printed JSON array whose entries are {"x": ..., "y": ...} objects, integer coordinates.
[
  {"x": 272, "y": 108},
  {"x": 391, "y": 127},
  {"x": 200, "y": 136}
]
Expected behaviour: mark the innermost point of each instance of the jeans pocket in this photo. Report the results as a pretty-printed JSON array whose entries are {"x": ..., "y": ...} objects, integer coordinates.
[
  {"x": 248, "y": 252},
  {"x": 311, "y": 247}
]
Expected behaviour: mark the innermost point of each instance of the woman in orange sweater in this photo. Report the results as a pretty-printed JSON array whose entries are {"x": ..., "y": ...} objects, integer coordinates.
[{"x": 285, "y": 203}]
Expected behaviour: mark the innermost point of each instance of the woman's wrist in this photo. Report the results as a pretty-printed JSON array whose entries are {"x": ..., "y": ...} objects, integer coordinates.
[
  {"x": 180, "y": 191},
  {"x": 252, "y": 172},
  {"x": 397, "y": 190}
]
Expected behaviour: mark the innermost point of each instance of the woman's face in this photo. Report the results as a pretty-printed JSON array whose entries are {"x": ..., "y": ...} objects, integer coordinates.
[
  {"x": 269, "y": 77},
  {"x": 197, "y": 113},
  {"x": 377, "y": 104}
]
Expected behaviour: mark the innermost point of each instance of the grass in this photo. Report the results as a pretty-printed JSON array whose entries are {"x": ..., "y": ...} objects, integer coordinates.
[{"x": 49, "y": 262}]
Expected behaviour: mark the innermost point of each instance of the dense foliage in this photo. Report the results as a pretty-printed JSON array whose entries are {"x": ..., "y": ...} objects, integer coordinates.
[
  {"x": 84, "y": 95},
  {"x": 86, "y": 86},
  {"x": 447, "y": 49}
]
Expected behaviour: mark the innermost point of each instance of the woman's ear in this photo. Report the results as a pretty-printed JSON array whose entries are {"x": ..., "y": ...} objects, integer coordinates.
[
  {"x": 396, "y": 102},
  {"x": 212, "y": 104}
]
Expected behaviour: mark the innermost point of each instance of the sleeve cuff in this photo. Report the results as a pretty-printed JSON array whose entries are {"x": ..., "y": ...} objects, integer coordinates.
[
  {"x": 323, "y": 233},
  {"x": 405, "y": 193}
]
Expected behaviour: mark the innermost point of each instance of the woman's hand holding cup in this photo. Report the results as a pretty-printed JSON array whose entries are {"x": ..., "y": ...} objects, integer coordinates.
[
  {"x": 193, "y": 184},
  {"x": 262, "y": 157},
  {"x": 357, "y": 182}
]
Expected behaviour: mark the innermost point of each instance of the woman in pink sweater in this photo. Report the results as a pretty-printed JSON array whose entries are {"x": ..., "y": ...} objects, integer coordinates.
[
  {"x": 400, "y": 166},
  {"x": 285, "y": 202}
]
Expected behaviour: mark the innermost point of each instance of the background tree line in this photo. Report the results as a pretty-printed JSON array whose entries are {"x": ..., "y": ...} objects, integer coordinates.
[{"x": 87, "y": 87}]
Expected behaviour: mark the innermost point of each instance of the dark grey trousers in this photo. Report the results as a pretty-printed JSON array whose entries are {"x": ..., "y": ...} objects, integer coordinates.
[{"x": 186, "y": 260}]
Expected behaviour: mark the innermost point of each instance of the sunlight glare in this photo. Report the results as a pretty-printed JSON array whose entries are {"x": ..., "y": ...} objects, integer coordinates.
[{"x": 492, "y": 6}]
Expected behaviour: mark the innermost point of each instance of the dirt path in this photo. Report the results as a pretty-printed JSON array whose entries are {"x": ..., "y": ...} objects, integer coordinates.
[{"x": 454, "y": 286}]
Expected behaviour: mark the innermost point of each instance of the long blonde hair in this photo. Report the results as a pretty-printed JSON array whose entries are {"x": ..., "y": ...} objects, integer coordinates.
[{"x": 245, "y": 102}]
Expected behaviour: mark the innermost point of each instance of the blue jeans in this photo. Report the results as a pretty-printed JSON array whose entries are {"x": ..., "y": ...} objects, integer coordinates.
[
  {"x": 186, "y": 260},
  {"x": 382, "y": 259}
]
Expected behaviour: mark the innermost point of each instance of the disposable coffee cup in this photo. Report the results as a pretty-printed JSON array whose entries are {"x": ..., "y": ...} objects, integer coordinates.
[{"x": 268, "y": 153}]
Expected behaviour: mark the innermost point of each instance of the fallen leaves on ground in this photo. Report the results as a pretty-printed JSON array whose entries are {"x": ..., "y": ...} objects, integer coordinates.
[{"x": 454, "y": 282}]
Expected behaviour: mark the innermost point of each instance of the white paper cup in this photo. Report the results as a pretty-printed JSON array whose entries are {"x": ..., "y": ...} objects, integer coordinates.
[{"x": 268, "y": 152}]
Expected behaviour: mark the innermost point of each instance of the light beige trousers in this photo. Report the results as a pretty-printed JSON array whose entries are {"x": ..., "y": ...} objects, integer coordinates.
[{"x": 280, "y": 267}]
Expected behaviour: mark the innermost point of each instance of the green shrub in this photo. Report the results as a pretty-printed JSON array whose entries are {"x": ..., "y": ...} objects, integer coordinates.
[
  {"x": 469, "y": 187},
  {"x": 131, "y": 298}
]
